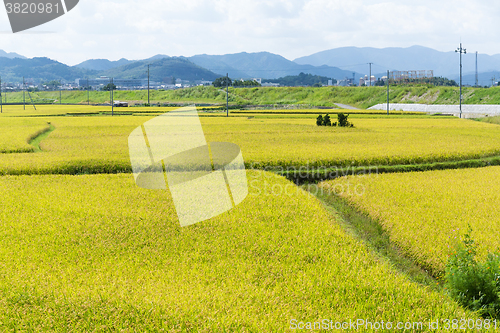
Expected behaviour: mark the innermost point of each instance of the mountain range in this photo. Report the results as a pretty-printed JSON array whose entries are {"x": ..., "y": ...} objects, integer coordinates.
[
  {"x": 263, "y": 65},
  {"x": 10, "y": 55},
  {"x": 336, "y": 63},
  {"x": 39, "y": 69},
  {"x": 102, "y": 64},
  {"x": 240, "y": 65},
  {"x": 446, "y": 64},
  {"x": 162, "y": 69}
]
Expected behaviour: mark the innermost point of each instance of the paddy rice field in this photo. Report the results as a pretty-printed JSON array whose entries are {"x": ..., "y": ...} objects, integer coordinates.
[{"x": 82, "y": 248}]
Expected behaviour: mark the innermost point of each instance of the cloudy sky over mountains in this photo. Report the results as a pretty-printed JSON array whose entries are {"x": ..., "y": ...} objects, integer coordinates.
[{"x": 138, "y": 29}]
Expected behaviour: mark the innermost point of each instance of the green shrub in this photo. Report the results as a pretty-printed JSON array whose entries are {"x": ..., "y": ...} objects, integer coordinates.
[
  {"x": 319, "y": 120},
  {"x": 342, "y": 120},
  {"x": 475, "y": 285},
  {"x": 327, "y": 121}
]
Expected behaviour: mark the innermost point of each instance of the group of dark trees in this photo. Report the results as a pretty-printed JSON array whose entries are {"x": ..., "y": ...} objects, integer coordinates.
[
  {"x": 341, "y": 121},
  {"x": 442, "y": 81},
  {"x": 436, "y": 81},
  {"x": 318, "y": 81},
  {"x": 52, "y": 85},
  {"x": 302, "y": 80},
  {"x": 224, "y": 81},
  {"x": 246, "y": 83},
  {"x": 108, "y": 87},
  {"x": 287, "y": 81}
]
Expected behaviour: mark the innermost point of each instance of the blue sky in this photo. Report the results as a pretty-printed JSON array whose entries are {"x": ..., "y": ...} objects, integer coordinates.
[{"x": 137, "y": 29}]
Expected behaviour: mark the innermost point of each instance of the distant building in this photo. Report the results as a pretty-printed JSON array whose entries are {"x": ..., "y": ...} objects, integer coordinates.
[
  {"x": 259, "y": 80},
  {"x": 347, "y": 82},
  {"x": 364, "y": 80}
]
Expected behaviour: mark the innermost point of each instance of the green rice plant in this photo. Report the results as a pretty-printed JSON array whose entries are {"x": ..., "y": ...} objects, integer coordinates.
[{"x": 16, "y": 133}]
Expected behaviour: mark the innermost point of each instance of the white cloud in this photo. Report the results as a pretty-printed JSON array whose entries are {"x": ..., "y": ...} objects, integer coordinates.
[{"x": 138, "y": 29}]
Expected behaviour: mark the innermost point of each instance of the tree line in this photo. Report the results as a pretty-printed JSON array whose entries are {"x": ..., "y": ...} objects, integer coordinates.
[{"x": 225, "y": 81}]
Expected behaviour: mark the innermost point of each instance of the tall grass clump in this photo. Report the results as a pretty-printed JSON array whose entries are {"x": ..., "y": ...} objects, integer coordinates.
[{"x": 474, "y": 284}]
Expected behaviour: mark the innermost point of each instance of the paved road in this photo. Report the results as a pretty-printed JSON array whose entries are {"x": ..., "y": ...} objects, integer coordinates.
[{"x": 345, "y": 106}]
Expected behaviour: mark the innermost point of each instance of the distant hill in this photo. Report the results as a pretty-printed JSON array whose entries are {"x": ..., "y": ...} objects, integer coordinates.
[
  {"x": 161, "y": 69},
  {"x": 214, "y": 64},
  {"x": 102, "y": 64},
  {"x": 263, "y": 65},
  {"x": 158, "y": 57},
  {"x": 39, "y": 69},
  {"x": 412, "y": 58},
  {"x": 11, "y": 55},
  {"x": 484, "y": 79},
  {"x": 105, "y": 64}
]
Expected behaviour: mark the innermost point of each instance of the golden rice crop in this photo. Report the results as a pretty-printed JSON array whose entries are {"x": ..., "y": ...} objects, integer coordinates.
[
  {"x": 101, "y": 142},
  {"x": 16, "y": 133},
  {"x": 97, "y": 253},
  {"x": 78, "y": 145},
  {"x": 322, "y": 111},
  {"x": 56, "y": 109},
  {"x": 425, "y": 213},
  {"x": 378, "y": 141}
]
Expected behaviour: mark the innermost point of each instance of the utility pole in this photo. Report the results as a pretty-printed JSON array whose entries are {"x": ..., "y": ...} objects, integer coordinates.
[
  {"x": 387, "y": 92},
  {"x": 1, "y": 97},
  {"x": 88, "y": 95},
  {"x": 370, "y": 78},
  {"x": 31, "y": 99},
  {"x": 227, "y": 95},
  {"x": 353, "y": 79},
  {"x": 24, "y": 96},
  {"x": 112, "y": 101},
  {"x": 461, "y": 51},
  {"x": 493, "y": 81},
  {"x": 477, "y": 75},
  {"x": 148, "y": 85}
]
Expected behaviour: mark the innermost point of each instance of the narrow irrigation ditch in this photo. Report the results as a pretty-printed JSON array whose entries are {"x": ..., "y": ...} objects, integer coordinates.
[{"x": 38, "y": 137}]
